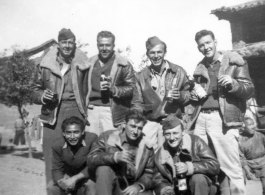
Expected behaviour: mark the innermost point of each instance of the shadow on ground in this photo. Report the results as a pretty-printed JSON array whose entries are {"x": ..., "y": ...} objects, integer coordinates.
[{"x": 21, "y": 152}]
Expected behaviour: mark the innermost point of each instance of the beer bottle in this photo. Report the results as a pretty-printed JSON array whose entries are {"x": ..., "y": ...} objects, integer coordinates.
[
  {"x": 182, "y": 188},
  {"x": 104, "y": 93},
  {"x": 169, "y": 93}
]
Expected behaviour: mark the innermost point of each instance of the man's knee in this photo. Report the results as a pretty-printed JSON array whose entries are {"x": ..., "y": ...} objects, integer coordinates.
[
  {"x": 198, "y": 181},
  {"x": 53, "y": 189},
  {"x": 104, "y": 171}
]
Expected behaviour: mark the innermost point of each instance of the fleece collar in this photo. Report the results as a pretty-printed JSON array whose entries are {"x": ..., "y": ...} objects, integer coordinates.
[
  {"x": 118, "y": 58},
  {"x": 229, "y": 58},
  {"x": 79, "y": 60}
]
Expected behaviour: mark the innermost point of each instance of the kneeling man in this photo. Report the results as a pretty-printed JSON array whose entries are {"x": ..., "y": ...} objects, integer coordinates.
[
  {"x": 122, "y": 160},
  {"x": 184, "y": 154},
  {"x": 69, "y": 169}
]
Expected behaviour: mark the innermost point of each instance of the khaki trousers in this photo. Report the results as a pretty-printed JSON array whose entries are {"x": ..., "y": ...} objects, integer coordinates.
[{"x": 225, "y": 142}]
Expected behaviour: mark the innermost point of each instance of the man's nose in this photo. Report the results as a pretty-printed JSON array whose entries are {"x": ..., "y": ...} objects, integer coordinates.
[
  {"x": 104, "y": 47},
  {"x": 156, "y": 55},
  {"x": 72, "y": 135},
  {"x": 171, "y": 137}
]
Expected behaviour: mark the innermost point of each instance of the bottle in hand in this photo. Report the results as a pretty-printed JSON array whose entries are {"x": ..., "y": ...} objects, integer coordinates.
[
  {"x": 169, "y": 92},
  {"x": 181, "y": 185},
  {"x": 104, "y": 93}
]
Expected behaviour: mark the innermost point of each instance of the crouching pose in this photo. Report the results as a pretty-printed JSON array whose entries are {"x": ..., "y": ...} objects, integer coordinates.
[
  {"x": 122, "y": 160},
  {"x": 185, "y": 155},
  {"x": 69, "y": 170}
]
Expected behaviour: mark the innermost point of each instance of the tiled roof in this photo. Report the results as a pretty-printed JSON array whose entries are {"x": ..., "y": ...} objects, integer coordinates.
[
  {"x": 244, "y": 6},
  {"x": 252, "y": 50}
]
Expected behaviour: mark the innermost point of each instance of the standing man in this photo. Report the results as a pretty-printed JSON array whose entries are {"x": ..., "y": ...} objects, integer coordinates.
[
  {"x": 184, "y": 154},
  {"x": 122, "y": 160},
  {"x": 162, "y": 88},
  {"x": 69, "y": 169},
  {"x": 252, "y": 152},
  {"x": 225, "y": 78},
  {"x": 108, "y": 100},
  {"x": 60, "y": 89}
]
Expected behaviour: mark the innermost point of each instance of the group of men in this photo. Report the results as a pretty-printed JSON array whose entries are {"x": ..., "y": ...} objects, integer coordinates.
[{"x": 109, "y": 130}]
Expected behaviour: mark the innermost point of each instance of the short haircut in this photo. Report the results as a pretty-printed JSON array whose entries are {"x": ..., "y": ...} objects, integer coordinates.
[
  {"x": 106, "y": 34},
  {"x": 135, "y": 115},
  {"x": 203, "y": 33},
  {"x": 248, "y": 119},
  {"x": 73, "y": 121}
]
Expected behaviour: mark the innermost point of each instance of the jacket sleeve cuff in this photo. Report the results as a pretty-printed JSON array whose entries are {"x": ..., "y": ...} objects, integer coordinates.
[
  {"x": 141, "y": 186},
  {"x": 114, "y": 92},
  {"x": 85, "y": 172},
  {"x": 190, "y": 168},
  {"x": 165, "y": 189}
]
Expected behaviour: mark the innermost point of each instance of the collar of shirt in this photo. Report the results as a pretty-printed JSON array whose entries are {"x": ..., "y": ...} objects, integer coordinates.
[
  {"x": 102, "y": 63},
  {"x": 83, "y": 143},
  {"x": 220, "y": 58},
  {"x": 61, "y": 61},
  {"x": 164, "y": 67}
]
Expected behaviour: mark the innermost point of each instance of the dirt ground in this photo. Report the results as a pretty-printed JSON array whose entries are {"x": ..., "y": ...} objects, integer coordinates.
[{"x": 20, "y": 175}]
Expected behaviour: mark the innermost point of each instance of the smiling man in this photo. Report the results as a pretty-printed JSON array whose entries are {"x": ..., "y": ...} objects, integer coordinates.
[
  {"x": 183, "y": 154},
  {"x": 111, "y": 81},
  {"x": 122, "y": 160},
  {"x": 162, "y": 83},
  {"x": 60, "y": 88},
  {"x": 225, "y": 78},
  {"x": 69, "y": 169}
]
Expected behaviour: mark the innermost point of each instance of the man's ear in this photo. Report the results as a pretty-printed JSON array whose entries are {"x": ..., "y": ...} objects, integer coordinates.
[{"x": 215, "y": 41}]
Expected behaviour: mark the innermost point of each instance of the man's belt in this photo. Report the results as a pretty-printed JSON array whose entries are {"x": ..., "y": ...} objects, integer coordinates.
[{"x": 209, "y": 111}]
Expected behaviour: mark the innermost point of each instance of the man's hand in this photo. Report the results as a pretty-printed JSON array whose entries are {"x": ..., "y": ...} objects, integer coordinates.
[
  {"x": 169, "y": 192},
  {"x": 132, "y": 190},
  {"x": 249, "y": 175},
  {"x": 68, "y": 183},
  {"x": 225, "y": 80},
  {"x": 124, "y": 156},
  {"x": 181, "y": 168},
  {"x": 47, "y": 96},
  {"x": 104, "y": 85},
  {"x": 175, "y": 93}
]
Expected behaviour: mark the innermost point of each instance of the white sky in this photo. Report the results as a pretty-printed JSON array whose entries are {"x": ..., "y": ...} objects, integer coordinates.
[{"x": 30, "y": 23}]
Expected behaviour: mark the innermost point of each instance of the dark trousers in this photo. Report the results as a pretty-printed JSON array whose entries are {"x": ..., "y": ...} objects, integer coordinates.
[
  {"x": 85, "y": 188},
  {"x": 106, "y": 182},
  {"x": 19, "y": 136},
  {"x": 50, "y": 133},
  {"x": 201, "y": 185}
]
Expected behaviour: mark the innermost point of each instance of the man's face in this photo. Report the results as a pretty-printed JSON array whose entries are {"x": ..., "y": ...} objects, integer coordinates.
[
  {"x": 73, "y": 134},
  {"x": 67, "y": 47},
  {"x": 157, "y": 54},
  {"x": 207, "y": 46},
  {"x": 105, "y": 47},
  {"x": 134, "y": 129},
  {"x": 173, "y": 136},
  {"x": 249, "y": 127}
]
